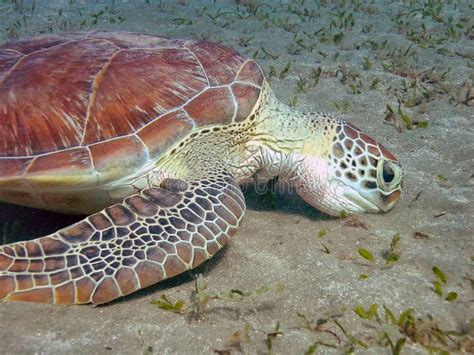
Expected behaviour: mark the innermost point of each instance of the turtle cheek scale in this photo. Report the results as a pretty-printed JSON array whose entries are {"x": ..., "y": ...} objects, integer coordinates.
[
  {"x": 319, "y": 186},
  {"x": 357, "y": 175}
]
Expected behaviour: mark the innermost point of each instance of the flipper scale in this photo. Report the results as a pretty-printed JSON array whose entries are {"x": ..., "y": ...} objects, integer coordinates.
[{"x": 152, "y": 235}]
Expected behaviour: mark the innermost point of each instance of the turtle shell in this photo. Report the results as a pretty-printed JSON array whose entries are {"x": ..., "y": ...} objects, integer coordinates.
[{"x": 83, "y": 111}]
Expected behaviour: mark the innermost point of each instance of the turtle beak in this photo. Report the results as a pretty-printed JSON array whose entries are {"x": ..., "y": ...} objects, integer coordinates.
[{"x": 388, "y": 201}]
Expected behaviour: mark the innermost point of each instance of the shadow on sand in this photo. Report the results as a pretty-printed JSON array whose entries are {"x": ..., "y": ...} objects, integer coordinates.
[{"x": 19, "y": 223}]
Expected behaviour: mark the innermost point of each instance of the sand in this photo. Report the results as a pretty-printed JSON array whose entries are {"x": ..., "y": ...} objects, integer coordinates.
[{"x": 372, "y": 54}]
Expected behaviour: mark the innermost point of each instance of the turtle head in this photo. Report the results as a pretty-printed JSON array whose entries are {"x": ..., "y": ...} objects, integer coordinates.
[{"x": 351, "y": 172}]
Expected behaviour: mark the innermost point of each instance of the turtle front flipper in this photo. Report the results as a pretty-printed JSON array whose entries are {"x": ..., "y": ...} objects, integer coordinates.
[{"x": 150, "y": 236}]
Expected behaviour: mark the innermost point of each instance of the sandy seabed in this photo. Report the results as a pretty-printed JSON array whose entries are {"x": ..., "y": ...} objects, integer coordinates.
[{"x": 414, "y": 55}]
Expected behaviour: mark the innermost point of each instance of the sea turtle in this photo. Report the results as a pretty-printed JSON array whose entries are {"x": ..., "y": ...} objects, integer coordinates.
[{"x": 152, "y": 137}]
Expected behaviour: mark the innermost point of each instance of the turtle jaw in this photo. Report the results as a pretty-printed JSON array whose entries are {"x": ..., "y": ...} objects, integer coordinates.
[
  {"x": 361, "y": 202},
  {"x": 322, "y": 189},
  {"x": 334, "y": 197},
  {"x": 373, "y": 202}
]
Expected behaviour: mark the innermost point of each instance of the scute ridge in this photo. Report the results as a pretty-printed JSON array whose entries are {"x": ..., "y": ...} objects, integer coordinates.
[
  {"x": 95, "y": 87},
  {"x": 200, "y": 64}
]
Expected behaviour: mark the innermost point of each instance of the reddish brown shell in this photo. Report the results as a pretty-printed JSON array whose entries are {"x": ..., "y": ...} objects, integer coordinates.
[{"x": 86, "y": 104}]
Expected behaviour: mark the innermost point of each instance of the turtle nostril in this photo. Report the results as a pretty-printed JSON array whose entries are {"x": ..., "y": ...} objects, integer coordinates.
[{"x": 388, "y": 173}]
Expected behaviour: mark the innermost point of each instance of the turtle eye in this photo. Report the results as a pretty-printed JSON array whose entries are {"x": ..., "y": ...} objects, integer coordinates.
[{"x": 387, "y": 172}]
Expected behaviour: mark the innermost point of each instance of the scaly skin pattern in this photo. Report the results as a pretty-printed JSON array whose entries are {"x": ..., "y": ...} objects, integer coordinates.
[
  {"x": 156, "y": 234},
  {"x": 194, "y": 204}
]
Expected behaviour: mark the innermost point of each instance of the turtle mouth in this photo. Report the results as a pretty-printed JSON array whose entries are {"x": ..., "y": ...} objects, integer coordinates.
[
  {"x": 373, "y": 202},
  {"x": 362, "y": 202}
]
